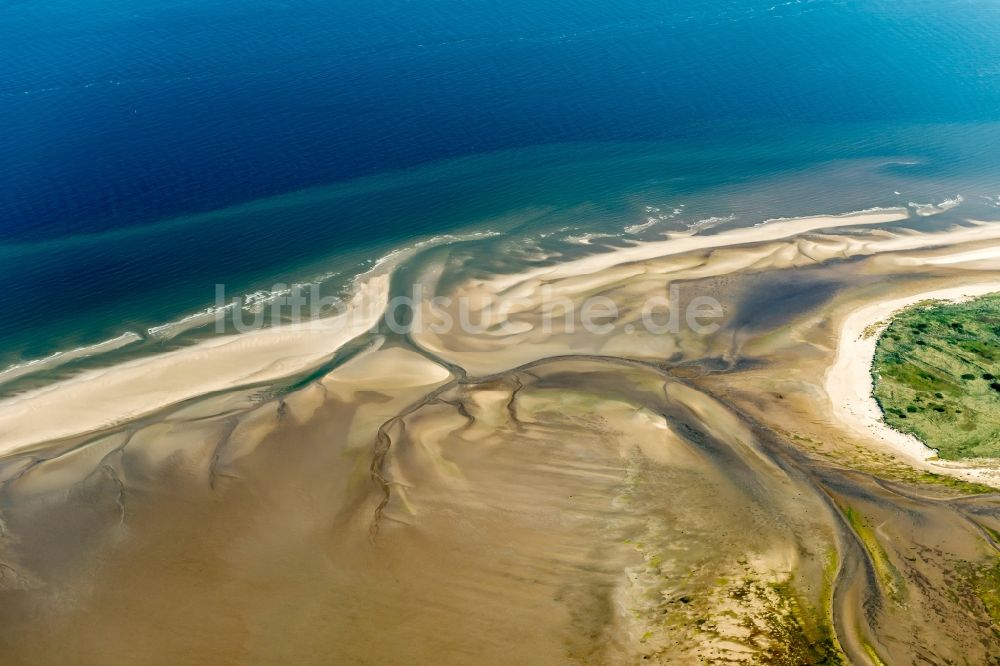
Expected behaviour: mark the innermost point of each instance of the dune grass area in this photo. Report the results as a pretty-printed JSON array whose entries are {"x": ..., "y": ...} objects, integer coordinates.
[{"x": 937, "y": 376}]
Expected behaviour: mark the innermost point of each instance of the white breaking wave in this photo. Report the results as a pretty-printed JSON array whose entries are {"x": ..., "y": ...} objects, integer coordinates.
[
  {"x": 257, "y": 300},
  {"x": 864, "y": 211},
  {"x": 636, "y": 228},
  {"x": 251, "y": 301},
  {"x": 655, "y": 215},
  {"x": 585, "y": 239},
  {"x": 709, "y": 222},
  {"x": 96, "y": 398},
  {"x": 62, "y": 357},
  {"x": 191, "y": 321},
  {"x": 928, "y": 209}
]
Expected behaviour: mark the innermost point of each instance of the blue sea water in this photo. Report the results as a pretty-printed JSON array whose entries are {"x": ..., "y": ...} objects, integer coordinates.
[{"x": 150, "y": 149}]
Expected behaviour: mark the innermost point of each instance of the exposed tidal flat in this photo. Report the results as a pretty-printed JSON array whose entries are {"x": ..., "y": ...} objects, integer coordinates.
[
  {"x": 710, "y": 481},
  {"x": 526, "y": 490}
]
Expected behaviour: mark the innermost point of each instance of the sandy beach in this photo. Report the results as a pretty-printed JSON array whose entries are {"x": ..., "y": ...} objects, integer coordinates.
[
  {"x": 99, "y": 398},
  {"x": 848, "y": 381},
  {"x": 693, "y": 242},
  {"x": 61, "y": 358},
  {"x": 512, "y": 308}
]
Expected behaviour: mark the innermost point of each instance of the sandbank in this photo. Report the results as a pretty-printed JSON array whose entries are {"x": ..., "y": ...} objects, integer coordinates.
[
  {"x": 684, "y": 243},
  {"x": 100, "y": 398}
]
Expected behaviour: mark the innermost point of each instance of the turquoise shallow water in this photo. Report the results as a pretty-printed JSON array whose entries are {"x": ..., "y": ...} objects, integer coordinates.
[
  {"x": 573, "y": 198},
  {"x": 151, "y": 151}
]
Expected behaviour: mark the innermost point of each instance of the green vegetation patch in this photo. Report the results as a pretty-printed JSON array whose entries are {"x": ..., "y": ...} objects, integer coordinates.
[
  {"x": 889, "y": 577},
  {"x": 977, "y": 590},
  {"x": 937, "y": 376}
]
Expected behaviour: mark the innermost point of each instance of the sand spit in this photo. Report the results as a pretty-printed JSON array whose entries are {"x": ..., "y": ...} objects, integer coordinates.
[
  {"x": 63, "y": 357},
  {"x": 848, "y": 382},
  {"x": 514, "y": 311},
  {"x": 687, "y": 243},
  {"x": 99, "y": 398},
  {"x": 972, "y": 256}
]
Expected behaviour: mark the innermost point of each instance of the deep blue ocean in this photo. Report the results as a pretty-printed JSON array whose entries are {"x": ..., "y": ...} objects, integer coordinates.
[{"x": 150, "y": 149}]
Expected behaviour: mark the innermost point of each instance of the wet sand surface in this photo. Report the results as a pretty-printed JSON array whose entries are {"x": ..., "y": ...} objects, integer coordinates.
[{"x": 518, "y": 495}]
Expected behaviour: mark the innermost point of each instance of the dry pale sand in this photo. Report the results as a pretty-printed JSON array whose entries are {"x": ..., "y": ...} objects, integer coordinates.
[
  {"x": 515, "y": 311},
  {"x": 685, "y": 243},
  {"x": 848, "y": 382},
  {"x": 106, "y": 396}
]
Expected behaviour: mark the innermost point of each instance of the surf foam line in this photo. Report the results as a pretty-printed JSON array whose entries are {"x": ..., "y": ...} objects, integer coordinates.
[
  {"x": 63, "y": 357},
  {"x": 675, "y": 244},
  {"x": 260, "y": 298},
  {"x": 99, "y": 398}
]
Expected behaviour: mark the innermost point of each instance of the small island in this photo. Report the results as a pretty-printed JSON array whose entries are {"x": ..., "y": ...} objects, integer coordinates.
[{"x": 937, "y": 376}]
